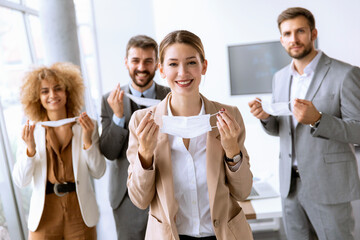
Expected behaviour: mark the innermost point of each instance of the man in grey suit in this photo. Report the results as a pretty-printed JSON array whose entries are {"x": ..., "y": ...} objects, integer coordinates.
[
  {"x": 116, "y": 108},
  {"x": 318, "y": 168}
]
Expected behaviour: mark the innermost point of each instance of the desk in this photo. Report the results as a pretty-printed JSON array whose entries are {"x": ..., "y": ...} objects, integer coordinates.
[{"x": 263, "y": 214}]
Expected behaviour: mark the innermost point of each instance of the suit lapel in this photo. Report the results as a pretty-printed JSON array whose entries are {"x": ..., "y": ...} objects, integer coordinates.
[
  {"x": 164, "y": 165},
  {"x": 285, "y": 86},
  {"x": 160, "y": 92},
  {"x": 320, "y": 73},
  {"x": 127, "y": 104},
  {"x": 214, "y": 152},
  {"x": 286, "y": 90}
]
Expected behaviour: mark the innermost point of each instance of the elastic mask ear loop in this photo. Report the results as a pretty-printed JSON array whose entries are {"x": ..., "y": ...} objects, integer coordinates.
[{"x": 214, "y": 115}]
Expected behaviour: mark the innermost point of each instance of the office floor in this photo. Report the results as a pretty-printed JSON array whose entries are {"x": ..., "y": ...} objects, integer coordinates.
[{"x": 106, "y": 226}]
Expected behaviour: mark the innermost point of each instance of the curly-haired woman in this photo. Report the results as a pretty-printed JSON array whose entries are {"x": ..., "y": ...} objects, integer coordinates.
[{"x": 59, "y": 160}]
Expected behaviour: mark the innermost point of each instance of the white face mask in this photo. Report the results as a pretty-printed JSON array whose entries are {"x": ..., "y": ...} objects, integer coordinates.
[
  {"x": 276, "y": 109},
  {"x": 148, "y": 102},
  {"x": 59, "y": 122},
  {"x": 186, "y": 127}
]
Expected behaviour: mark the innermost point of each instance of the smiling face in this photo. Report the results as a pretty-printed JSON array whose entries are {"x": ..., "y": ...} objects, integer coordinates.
[
  {"x": 52, "y": 96},
  {"x": 142, "y": 65},
  {"x": 297, "y": 38},
  {"x": 182, "y": 68}
]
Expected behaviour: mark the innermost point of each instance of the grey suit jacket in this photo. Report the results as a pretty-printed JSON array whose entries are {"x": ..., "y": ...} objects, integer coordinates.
[
  {"x": 114, "y": 143},
  {"x": 326, "y": 156}
]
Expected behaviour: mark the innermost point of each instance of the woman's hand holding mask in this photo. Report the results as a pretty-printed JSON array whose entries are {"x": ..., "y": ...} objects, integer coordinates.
[
  {"x": 147, "y": 132},
  {"x": 229, "y": 131},
  {"x": 28, "y": 137},
  {"x": 88, "y": 128}
]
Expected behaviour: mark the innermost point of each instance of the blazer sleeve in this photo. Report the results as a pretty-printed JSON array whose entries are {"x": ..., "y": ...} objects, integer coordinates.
[
  {"x": 94, "y": 159},
  {"x": 347, "y": 127},
  {"x": 24, "y": 167},
  {"x": 140, "y": 182},
  {"x": 240, "y": 181},
  {"x": 113, "y": 138}
]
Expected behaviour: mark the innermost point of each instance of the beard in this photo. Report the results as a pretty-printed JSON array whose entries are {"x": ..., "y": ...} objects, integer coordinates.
[
  {"x": 144, "y": 83},
  {"x": 302, "y": 54}
]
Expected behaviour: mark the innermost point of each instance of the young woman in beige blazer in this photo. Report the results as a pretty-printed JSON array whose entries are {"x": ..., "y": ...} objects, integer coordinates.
[
  {"x": 192, "y": 180},
  {"x": 59, "y": 161}
]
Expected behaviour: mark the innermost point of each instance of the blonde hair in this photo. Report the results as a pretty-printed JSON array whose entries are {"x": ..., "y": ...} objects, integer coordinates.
[
  {"x": 64, "y": 73},
  {"x": 181, "y": 36}
]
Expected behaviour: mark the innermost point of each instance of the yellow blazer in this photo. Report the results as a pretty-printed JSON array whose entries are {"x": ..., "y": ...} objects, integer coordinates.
[{"x": 155, "y": 187}]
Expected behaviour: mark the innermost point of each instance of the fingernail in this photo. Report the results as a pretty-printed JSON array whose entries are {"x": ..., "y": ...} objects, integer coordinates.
[{"x": 222, "y": 109}]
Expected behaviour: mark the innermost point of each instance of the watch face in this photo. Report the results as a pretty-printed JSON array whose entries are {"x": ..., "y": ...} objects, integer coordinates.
[{"x": 237, "y": 158}]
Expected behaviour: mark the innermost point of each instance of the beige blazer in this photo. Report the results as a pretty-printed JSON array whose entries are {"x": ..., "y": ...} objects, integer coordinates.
[{"x": 155, "y": 187}]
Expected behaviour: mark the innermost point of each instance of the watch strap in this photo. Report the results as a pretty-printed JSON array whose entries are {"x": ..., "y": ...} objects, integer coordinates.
[
  {"x": 316, "y": 124},
  {"x": 235, "y": 159}
]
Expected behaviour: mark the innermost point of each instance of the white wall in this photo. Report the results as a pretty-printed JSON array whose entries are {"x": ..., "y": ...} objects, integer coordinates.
[
  {"x": 116, "y": 22},
  {"x": 223, "y": 23},
  {"x": 220, "y": 23}
]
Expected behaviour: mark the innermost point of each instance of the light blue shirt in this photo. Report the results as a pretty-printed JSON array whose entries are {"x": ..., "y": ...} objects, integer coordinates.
[{"x": 148, "y": 93}]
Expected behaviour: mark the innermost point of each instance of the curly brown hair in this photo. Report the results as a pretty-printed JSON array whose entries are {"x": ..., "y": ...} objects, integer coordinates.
[{"x": 64, "y": 73}]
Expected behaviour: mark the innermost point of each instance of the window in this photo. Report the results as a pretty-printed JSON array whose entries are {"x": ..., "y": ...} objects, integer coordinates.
[
  {"x": 21, "y": 47},
  {"x": 89, "y": 55},
  {"x": 14, "y": 60}
]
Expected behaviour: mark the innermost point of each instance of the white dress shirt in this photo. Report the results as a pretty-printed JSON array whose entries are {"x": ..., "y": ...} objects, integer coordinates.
[
  {"x": 190, "y": 185},
  {"x": 300, "y": 85}
]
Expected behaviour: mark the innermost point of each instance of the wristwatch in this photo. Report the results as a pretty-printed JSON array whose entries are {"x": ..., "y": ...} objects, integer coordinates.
[
  {"x": 235, "y": 159},
  {"x": 316, "y": 124}
]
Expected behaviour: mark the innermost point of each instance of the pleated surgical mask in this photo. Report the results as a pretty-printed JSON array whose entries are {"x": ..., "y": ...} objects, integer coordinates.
[
  {"x": 147, "y": 102},
  {"x": 58, "y": 123},
  {"x": 276, "y": 109},
  {"x": 186, "y": 127}
]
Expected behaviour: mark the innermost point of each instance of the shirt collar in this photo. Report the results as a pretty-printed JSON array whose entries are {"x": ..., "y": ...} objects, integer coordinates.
[
  {"x": 310, "y": 68},
  {"x": 148, "y": 93},
  {"x": 202, "y": 110}
]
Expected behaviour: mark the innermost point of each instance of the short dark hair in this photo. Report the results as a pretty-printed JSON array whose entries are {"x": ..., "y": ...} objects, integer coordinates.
[
  {"x": 143, "y": 42},
  {"x": 294, "y": 12}
]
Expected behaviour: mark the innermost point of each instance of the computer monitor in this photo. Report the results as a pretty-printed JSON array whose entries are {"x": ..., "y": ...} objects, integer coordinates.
[{"x": 252, "y": 66}]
